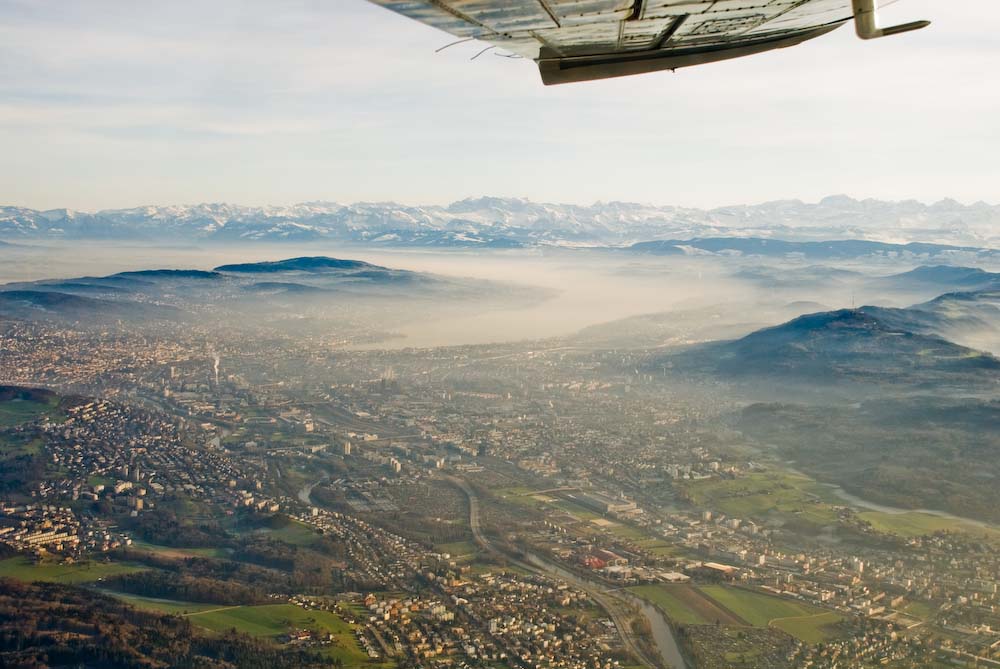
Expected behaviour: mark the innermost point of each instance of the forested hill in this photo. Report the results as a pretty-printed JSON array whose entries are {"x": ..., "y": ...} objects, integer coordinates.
[{"x": 52, "y": 625}]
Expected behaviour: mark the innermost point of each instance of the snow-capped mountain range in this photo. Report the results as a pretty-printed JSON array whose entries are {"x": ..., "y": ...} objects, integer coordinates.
[{"x": 508, "y": 222}]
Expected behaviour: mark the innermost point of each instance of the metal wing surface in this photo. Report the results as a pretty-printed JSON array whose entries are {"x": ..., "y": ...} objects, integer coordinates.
[{"x": 580, "y": 40}]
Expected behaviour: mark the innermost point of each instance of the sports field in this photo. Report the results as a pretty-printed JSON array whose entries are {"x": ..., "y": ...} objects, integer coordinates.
[{"x": 458, "y": 549}]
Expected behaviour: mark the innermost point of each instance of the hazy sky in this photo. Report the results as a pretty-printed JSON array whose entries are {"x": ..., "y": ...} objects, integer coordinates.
[{"x": 111, "y": 104}]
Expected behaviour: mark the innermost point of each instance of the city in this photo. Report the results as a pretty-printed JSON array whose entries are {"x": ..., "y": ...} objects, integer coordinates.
[
  {"x": 499, "y": 334},
  {"x": 539, "y": 504}
]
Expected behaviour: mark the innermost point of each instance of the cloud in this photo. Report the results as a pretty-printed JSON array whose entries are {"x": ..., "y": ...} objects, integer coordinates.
[{"x": 257, "y": 102}]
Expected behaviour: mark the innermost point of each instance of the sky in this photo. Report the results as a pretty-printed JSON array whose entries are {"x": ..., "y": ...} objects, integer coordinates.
[{"x": 107, "y": 104}]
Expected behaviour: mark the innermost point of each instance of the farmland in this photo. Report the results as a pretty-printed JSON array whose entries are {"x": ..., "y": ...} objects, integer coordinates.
[
  {"x": 676, "y": 602},
  {"x": 737, "y": 607},
  {"x": 805, "y": 622}
]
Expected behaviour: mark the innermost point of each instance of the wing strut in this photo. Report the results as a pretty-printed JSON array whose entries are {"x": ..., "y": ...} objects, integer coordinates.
[{"x": 866, "y": 22}]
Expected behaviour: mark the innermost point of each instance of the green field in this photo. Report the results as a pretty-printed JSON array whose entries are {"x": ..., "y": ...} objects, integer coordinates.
[
  {"x": 659, "y": 547},
  {"x": 274, "y": 620},
  {"x": 803, "y": 621},
  {"x": 296, "y": 533},
  {"x": 170, "y": 551},
  {"x": 160, "y": 605},
  {"x": 17, "y": 411},
  {"x": 458, "y": 549},
  {"x": 914, "y": 524},
  {"x": 99, "y": 480},
  {"x": 674, "y": 607},
  {"x": 18, "y": 445},
  {"x": 762, "y": 494},
  {"x": 22, "y": 569},
  {"x": 922, "y": 610},
  {"x": 816, "y": 628},
  {"x": 577, "y": 510}
]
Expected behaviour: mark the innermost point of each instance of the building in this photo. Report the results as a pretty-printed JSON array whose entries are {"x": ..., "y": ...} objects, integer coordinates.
[{"x": 603, "y": 503}]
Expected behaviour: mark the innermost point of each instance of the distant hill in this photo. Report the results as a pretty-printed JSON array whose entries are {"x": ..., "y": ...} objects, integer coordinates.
[
  {"x": 283, "y": 287},
  {"x": 796, "y": 278},
  {"x": 315, "y": 264},
  {"x": 943, "y": 278},
  {"x": 969, "y": 318},
  {"x": 810, "y": 250},
  {"x": 868, "y": 345},
  {"x": 290, "y": 292},
  {"x": 81, "y": 287},
  {"x": 56, "y": 306},
  {"x": 172, "y": 274}
]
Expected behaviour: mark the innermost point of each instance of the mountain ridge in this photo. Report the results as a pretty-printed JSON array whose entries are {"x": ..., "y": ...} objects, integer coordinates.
[{"x": 491, "y": 222}]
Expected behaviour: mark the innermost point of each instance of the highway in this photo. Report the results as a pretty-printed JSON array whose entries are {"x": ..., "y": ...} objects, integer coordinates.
[{"x": 618, "y": 609}]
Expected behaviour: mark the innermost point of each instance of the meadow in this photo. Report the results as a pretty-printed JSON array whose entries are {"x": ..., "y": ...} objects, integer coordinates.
[
  {"x": 738, "y": 607},
  {"x": 789, "y": 495},
  {"x": 915, "y": 523},
  {"x": 273, "y": 620},
  {"x": 17, "y": 411},
  {"x": 803, "y": 621},
  {"x": 22, "y": 569}
]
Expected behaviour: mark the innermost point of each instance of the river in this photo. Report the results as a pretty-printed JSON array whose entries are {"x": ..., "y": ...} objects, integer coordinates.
[
  {"x": 854, "y": 500},
  {"x": 663, "y": 634}
]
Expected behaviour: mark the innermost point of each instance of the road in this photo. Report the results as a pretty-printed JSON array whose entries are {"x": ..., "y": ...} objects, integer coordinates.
[{"x": 617, "y": 610}]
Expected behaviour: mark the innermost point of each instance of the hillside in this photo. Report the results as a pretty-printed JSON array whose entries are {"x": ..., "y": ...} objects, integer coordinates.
[
  {"x": 58, "y": 306},
  {"x": 48, "y": 624},
  {"x": 942, "y": 278},
  {"x": 920, "y": 452},
  {"x": 313, "y": 265},
  {"x": 971, "y": 318},
  {"x": 870, "y": 345}
]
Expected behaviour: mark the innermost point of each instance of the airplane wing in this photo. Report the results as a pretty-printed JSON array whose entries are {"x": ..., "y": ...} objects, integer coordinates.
[{"x": 580, "y": 40}]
